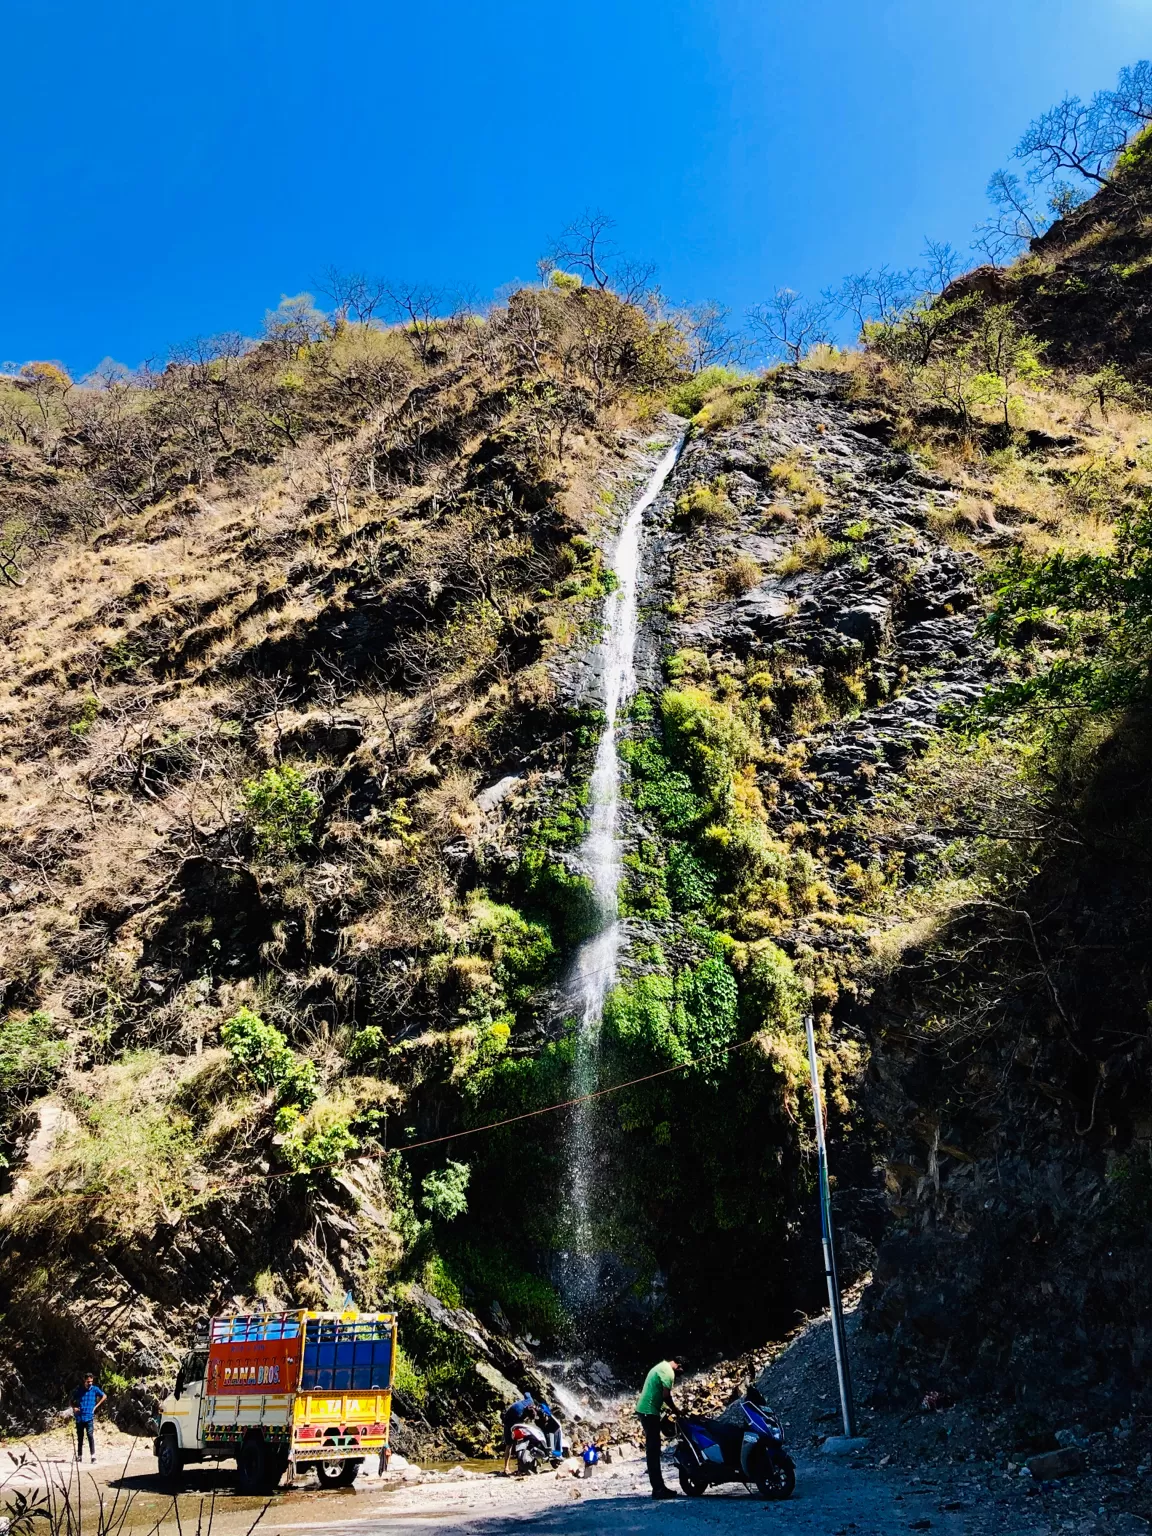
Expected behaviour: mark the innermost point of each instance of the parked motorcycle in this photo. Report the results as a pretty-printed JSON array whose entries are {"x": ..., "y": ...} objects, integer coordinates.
[
  {"x": 709, "y": 1452},
  {"x": 529, "y": 1446}
]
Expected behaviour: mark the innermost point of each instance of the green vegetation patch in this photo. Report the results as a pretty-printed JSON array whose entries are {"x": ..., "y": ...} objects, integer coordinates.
[{"x": 281, "y": 810}]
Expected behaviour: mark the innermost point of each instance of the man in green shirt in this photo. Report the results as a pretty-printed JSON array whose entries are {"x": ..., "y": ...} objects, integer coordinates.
[{"x": 649, "y": 1406}]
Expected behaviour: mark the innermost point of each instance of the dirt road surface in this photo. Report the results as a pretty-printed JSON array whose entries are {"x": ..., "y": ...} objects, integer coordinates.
[
  {"x": 832, "y": 1499},
  {"x": 951, "y": 1472}
]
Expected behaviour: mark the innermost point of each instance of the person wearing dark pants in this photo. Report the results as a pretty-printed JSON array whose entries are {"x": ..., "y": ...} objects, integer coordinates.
[
  {"x": 649, "y": 1408},
  {"x": 85, "y": 1401}
]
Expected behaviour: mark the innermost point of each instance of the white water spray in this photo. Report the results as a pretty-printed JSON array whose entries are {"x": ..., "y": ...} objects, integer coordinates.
[{"x": 595, "y": 969}]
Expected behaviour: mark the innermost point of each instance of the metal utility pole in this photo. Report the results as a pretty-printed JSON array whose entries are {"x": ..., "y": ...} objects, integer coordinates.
[{"x": 842, "y": 1372}]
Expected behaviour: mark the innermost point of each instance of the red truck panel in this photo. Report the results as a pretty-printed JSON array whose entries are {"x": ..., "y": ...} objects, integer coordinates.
[{"x": 259, "y": 1366}]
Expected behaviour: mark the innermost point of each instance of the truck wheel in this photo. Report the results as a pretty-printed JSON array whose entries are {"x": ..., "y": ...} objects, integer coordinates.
[
  {"x": 252, "y": 1466},
  {"x": 338, "y": 1474},
  {"x": 277, "y": 1466},
  {"x": 169, "y": 1461}
]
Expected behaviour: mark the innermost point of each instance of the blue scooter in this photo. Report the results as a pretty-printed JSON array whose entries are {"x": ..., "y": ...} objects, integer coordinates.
[{"x": 709, "y": 1452}]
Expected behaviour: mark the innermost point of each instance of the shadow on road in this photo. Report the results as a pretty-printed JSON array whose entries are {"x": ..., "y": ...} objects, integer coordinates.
[{"x": 622, "y": 1515}]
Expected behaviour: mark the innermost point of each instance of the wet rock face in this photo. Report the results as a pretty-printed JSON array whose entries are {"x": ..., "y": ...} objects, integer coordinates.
[
  {"x": 816, "y": 558},
  {"x": 798, "y": 547}
]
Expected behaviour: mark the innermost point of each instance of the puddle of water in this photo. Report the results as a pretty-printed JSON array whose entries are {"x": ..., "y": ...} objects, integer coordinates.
[{"x": 487, "y": 1464}]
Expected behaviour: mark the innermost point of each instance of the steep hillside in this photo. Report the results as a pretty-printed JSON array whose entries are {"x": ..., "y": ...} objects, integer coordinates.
[
  {"x": 1085, "y": 287},
  {"x": 300, "y": 703},
  {"x": 287, "y": 609},
  {"x": 1009, "y": 1072}
]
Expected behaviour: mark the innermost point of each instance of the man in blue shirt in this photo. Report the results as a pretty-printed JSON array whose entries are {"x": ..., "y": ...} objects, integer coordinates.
[
  {"x": 516, "y": 1413},
  {"x": 85, "y": 1401}
]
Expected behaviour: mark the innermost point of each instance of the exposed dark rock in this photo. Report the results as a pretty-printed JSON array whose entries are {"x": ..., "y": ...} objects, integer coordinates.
[
  {"x": 214, "y": 913},
  {"x": 322, "y": 735}
]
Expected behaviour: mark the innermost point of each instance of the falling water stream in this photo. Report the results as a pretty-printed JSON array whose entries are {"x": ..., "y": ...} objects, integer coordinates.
[{"x": 595, "y": 968}]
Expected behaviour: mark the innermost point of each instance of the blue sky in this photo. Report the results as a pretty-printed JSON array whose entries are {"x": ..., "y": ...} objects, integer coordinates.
[{"x": 171, "y": 170}]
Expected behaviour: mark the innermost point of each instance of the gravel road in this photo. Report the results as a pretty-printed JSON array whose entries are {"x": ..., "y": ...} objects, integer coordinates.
[{"x": 831, "y": 1499}]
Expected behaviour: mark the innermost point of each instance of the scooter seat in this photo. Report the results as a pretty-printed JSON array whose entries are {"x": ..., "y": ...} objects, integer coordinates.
[{"x": 727, "y": 1436}]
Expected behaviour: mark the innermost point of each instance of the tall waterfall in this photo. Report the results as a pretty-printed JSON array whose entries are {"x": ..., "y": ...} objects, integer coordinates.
[{"x": 595, "y": 968}]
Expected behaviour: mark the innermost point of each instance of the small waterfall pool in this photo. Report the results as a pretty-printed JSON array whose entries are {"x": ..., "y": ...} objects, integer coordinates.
[{"x": 595, "y": 969}]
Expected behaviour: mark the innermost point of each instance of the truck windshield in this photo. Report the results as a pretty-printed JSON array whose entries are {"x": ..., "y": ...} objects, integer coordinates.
[{"x": 342, "y": 1356}]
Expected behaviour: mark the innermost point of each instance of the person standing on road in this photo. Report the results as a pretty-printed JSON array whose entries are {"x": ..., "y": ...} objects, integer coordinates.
[
  {"x": 649, "y": 1408},
  {"x": 85, "y": 1401}
]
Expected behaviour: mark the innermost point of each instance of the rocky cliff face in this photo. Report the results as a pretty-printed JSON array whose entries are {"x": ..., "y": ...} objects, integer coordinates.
[
  {"x": 295, "y": 786},
  {"x": 974, "y": 929},
  {"x": 807, "y": 634}
]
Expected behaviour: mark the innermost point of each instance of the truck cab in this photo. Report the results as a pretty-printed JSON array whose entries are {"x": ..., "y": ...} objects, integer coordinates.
[{"x": 179, "y": 1441}]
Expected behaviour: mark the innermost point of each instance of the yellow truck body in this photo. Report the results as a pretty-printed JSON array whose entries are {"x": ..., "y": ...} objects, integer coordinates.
[{"x": 279, "y": 1389}]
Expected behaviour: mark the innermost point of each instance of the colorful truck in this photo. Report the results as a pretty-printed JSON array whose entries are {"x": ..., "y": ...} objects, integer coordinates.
[{"x": 276, "y": 1391}]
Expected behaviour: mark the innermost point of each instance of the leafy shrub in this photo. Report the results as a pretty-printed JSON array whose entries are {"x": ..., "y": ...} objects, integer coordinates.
[
  {"x": 265, "y": 1057},
  {"x": 86, "y": 719},
  {"x": 638, "y": 1017},
  {"x": 320, "y": 1146},
  {"x": 444, "y": 1190},
  {"x": 708, "y": 737},
  {"x": 706, "y": 1016},
  {"x": 1103, "y": 607},
  {"x": 692, "y": 1019},
  {"x": 690, "y": 883},
  {"x": 745, "y": 851},
  {"x": 658, "y": 787},
  {"x": 366, "y": 1043},
  {"x": 1108, "y": 384},
  {"x": 690, "y": 397},
  {"x": 523, "y": 953},
  {"x": 772, "y": 993},
  {"x": 281, "y": 810}
]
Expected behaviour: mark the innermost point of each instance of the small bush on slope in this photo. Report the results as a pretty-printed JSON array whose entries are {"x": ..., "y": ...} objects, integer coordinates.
[{"x": 264, "y": 1055}]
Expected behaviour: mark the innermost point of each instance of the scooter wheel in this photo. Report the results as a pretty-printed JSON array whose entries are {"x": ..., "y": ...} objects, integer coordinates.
[
  {"x": 693, "y": 1483},
  {"x": 779, "y": 1479}
]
